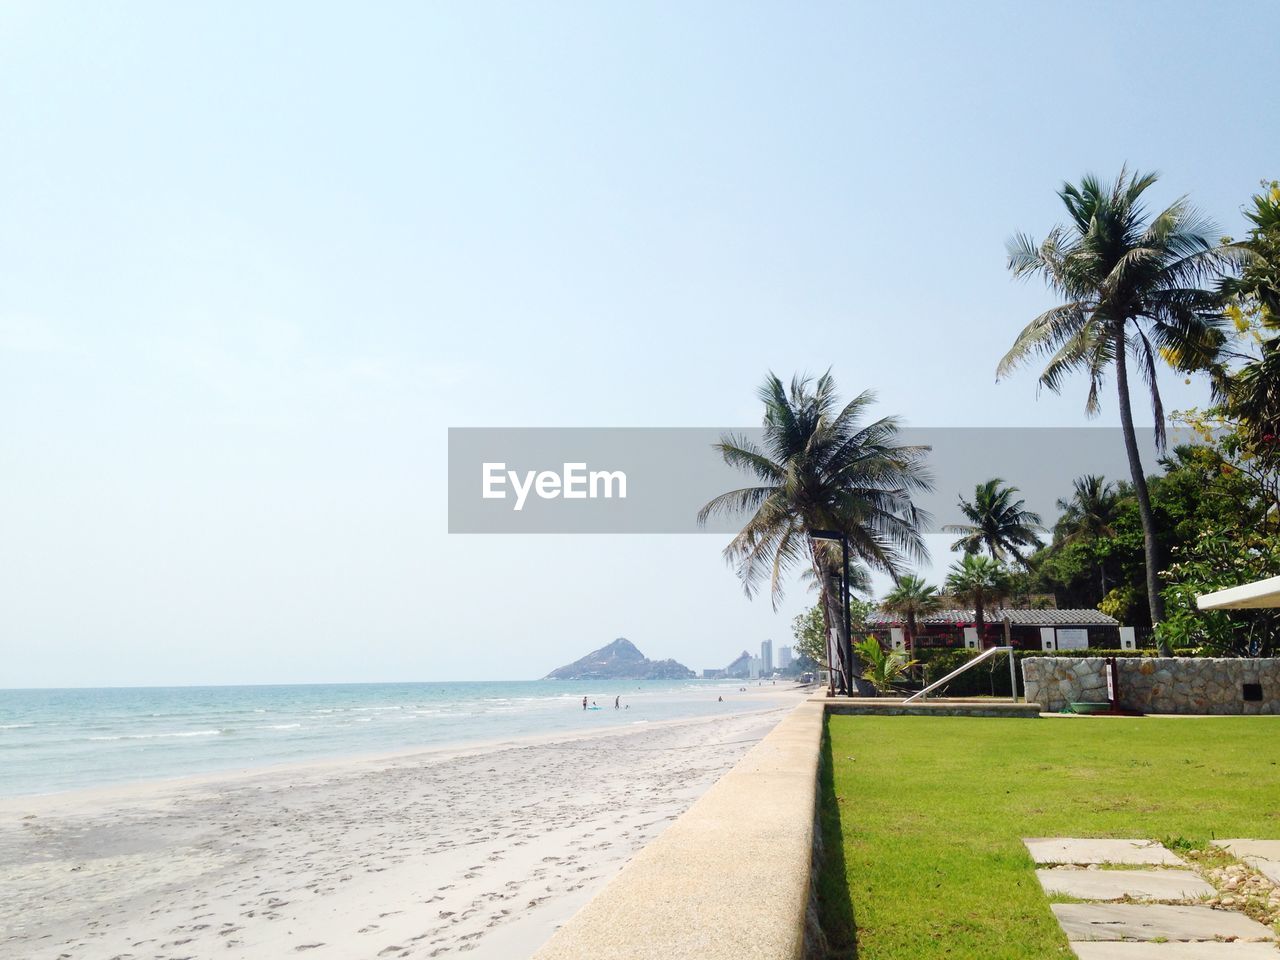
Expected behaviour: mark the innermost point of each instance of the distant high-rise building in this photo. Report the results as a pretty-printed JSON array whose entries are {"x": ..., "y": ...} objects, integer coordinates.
[
  {"x": 740, "y": 667},
  {"x": 784, "y": 658},
  {"x": 753, "y": 668},
  {"x": 766, "y": 657}
]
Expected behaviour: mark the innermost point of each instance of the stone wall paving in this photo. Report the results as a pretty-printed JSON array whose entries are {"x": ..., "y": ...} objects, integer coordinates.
[
  {"x": 1188, "y": 685},
  {"x": 1193, "y": 920}
]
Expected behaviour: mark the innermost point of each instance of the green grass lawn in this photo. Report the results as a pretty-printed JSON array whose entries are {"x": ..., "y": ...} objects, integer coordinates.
[{"x": 922, "y": 818}]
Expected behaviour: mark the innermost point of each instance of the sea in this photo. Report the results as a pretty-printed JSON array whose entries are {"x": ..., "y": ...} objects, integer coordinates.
[{"x": 58, "y": 740}]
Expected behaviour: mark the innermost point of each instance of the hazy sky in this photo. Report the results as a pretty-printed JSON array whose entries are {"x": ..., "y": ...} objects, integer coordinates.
[{"x": 255, "y": 259}]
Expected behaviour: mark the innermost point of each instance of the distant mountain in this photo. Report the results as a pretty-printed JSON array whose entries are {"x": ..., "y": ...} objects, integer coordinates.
[{"x": 620, "y": 660}]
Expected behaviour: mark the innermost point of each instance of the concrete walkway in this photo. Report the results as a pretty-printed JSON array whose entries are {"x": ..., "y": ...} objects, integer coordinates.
[{"x": 1176, "y": 927}]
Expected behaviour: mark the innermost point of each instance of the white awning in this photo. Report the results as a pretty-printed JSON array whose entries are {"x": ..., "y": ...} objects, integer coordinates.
[{"x": 1250, "y": 596}]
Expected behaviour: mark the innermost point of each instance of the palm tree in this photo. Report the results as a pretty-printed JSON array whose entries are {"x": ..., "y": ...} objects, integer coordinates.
[
  {"x": 909, "y": 599},
  {"x": 997, "y": 522},
  {"x": 859, "y": 575},
  {"x": 979, "y": 580},
  {"x": 819, "y": 467},
  {"x": 1132, "y": 288},
  {"x": 884, "y": 669},
  {"x": 1088, "y": 515},
  {"x": 1251, "y": 393}
]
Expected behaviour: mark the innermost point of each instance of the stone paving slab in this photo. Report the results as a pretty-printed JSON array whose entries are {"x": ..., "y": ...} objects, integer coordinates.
[
  {"x": 1118, "y": 884},
  {"x": 1268, "y": 868},
  {"x": 1267, "y": 849},
  {"x": 1086, "y": 850},
  {"x": 1133, "y": 921},
  {"x": 1262, "y": 855},
  {"x": 1205, "y": 950}
]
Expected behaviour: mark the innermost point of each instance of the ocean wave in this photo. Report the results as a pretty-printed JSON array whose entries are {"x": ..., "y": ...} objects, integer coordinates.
[
  {"x": 15, "y": 726},
  {"x": 153, "y": 736},
  {"x": 279, "y": 726}
]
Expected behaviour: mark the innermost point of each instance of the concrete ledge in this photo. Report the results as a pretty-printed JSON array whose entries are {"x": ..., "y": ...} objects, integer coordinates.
[
  {"x": 893, "y": 707},
  {"x": 729, "y": 878}
]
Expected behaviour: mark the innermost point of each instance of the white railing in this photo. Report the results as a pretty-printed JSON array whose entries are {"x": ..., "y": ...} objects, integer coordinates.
[{"x": 985, "y": 655}]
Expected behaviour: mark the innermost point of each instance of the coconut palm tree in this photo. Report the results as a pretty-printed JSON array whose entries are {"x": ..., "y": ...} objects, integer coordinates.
[
  {"x": 1088, "y": 515},
  {"x": 979, "y": 580},
  {"x": 1133, "y": 289},
  {"x": 1090, "y": 511},
  {"x": 997, "y": 523},
  {"x": 859, "y": 575},
  {"x": 1251, "y": 392},
  {"x": 819, "y": 467},
  {"x": 911, "y": 598}
]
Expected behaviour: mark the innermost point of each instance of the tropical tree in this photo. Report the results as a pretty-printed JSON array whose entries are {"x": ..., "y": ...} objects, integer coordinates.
[
  {"x": 1259, "y": 280},
  {"x": 883, "y": 669},
  {"x": 980, "y": 581},
  {"x": 820, "y": 467},
  {"x": 810, "y": 636},
  {"x": 1132, "y": 289},
  {"x": 809, "y": 629},
  {"x": 997, "y": 523},
  {"x": 858, "y": 574},
  {"x": 1247, "y": 381},
  {"x": 911, "y": 598},
  {"x": 1088, "y": 518}
]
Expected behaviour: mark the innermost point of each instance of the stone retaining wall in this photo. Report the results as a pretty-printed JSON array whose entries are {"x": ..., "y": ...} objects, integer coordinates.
[{"x": 1156, "y": 684}]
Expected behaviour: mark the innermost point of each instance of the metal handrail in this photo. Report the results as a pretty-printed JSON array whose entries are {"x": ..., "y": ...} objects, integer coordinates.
[{"x": 985, "y": 655}]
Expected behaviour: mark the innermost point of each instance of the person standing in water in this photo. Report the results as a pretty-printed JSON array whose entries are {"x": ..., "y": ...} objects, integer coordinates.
[
  {"x": 617, "y": 702},
  {"x": 584, "y": 703}
]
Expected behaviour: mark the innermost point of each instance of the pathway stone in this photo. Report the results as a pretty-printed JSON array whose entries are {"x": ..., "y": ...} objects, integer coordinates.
[
  {"x": 1118, "y": 884},
  {"x": 1266, "y": 849},
  {"x": 1262, "y": 855},
  {"x": 1087, "y": 850},
  {"x": 1132, "y": 921},
  {"x": 1174, "y": 950}
]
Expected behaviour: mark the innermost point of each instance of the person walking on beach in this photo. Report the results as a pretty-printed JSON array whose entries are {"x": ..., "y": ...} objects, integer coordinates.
[
  {"x": 584, "y": 703},
  {"x": 617, "y": 702}
]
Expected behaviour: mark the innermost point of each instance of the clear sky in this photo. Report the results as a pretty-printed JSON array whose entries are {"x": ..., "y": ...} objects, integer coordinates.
[{"x": 255, "y": 259}]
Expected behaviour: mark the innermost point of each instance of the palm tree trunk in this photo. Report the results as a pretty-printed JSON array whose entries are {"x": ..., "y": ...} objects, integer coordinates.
[
  {"x": 1151, "y": 547},
  {"x": 826, "y": 633},
  {"x": 834, "y": 619},
  {"x": 978, "y": 617},
  {"x": 911, "y": 641}
]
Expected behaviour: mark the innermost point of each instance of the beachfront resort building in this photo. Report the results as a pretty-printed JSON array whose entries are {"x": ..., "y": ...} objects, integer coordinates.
[
  {"x": 784, "y": 658},
  {"x": 766, "y": 658},
  {"x": 1046, "y": 629}
]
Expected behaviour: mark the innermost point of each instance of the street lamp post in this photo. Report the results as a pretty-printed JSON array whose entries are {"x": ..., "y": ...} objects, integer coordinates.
[{"x": 845, "y": 654}]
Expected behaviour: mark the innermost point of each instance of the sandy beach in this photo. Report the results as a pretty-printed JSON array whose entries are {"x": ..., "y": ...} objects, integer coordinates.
[{"x": 480, "y": 851}]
